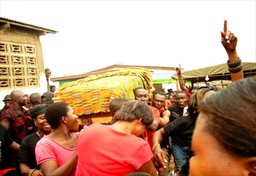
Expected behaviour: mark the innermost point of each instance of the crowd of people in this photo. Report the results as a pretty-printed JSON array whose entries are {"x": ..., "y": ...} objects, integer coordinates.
[{"x": 204, "y": 132}]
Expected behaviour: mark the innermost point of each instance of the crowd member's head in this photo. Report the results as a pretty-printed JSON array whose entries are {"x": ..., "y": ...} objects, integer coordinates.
[
  {"x": 48, "y": 73},
  {"x": 47, "y": 98},
  {"x": 27, "y": 102},
  {"x": 52, "y": 88},
  {"x": 141, "y": 94},
  {"x": 197, "y": 98},
  {"x": 7, "y": 100},
  {"x": 19, "y": 98},
  {"x": 158, "y": 99},
  {"x": 61, "y": 114},
  {"x": 227, "y": 123},
  {"x": 38, "y": 115},
  {"x": 116, "y": 104},
  {"x": 35, "y": 99},
  {"x": 181, "y": 99},
  {"x": 172, "y": 99},
  {"x": 170, "y": 91},
  {"x": 135, "y": 110}
]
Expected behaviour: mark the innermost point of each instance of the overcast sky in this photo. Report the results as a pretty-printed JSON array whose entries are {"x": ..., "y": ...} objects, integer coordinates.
[{"x": 95, "y": 34}]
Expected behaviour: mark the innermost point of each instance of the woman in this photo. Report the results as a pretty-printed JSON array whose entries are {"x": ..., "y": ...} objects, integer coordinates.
[
  {"x": 224, "y": 140},
  {"x": 27, "y": 157},
  {"x": 180, "y": 131},
  {"x": 116, "y": 149},
  {"x": 56, "y": 152}
]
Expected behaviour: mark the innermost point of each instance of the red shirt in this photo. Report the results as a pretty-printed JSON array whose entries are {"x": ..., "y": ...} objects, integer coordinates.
[
  {"x": 105, "y": 151},
  {"x": 20, "y": 122}
]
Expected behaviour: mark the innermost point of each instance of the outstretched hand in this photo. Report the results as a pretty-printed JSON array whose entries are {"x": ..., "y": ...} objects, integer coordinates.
[
  {"x": 159, "y": 158},
  {"x": 228, "y": 39}
]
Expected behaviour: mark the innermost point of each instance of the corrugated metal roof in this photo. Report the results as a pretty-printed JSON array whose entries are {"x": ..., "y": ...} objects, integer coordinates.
[
  {"x": 25, "y": 25},
  {"x": 220, "y": 70}
]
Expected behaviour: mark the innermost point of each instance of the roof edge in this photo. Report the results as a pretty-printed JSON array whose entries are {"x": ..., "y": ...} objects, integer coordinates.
[{"x": 25, "y": 25}]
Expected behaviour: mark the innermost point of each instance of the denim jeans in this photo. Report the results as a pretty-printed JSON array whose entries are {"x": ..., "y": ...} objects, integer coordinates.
[{"x": 181, "y": 158}]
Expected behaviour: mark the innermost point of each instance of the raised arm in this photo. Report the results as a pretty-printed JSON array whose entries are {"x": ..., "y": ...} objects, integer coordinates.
[
  {"x": 229, "y": 42},
  {"x": 181, "y": 81}
]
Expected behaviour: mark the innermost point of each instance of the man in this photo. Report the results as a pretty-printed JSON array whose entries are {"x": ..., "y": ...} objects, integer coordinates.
[
  {"x": 47, "y": 98},
  {"x": 15, "y": 119},
  {"x": 142, "y": 95},
  {"x": 17, "y": 122},
  {"x": 52, "y": 88},
  {"x": 159, "y": 103},
  {"x": 177, "y": 109},
  {"x": 48, "y": 74},
  {"x": 7, "y": 100},
  {"x": 35, "y": 99}
]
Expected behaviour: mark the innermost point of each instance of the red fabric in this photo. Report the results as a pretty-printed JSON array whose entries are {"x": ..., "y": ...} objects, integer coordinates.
[
  {"x": 188, "y": 92},
  {"x": 156, "y": 113},
  {"x": 105, "y": 151},
  {"x": 5, "y": 171},
  {"x": 20, "y": 122}
]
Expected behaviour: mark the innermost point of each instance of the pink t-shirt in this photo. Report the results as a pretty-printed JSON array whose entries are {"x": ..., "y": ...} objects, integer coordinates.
[
  {"x": 47, "y": 149},
  {"x": 105, "y": 151}
]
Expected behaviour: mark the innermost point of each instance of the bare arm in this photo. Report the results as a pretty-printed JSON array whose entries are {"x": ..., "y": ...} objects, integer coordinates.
[
  {"x": 149, "y": 168},
  {"x": 51, "y": 168},
  {"x": 6, "y": 123},
  {"x": 159, "y": 154},
  {"x": 15, "y": 146},
  {"x": 165, "y": 117},
  {"x": 181, "y": 81},
  {"x": 229, "y": 42},
  {"x": 27, "y": 171}
]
